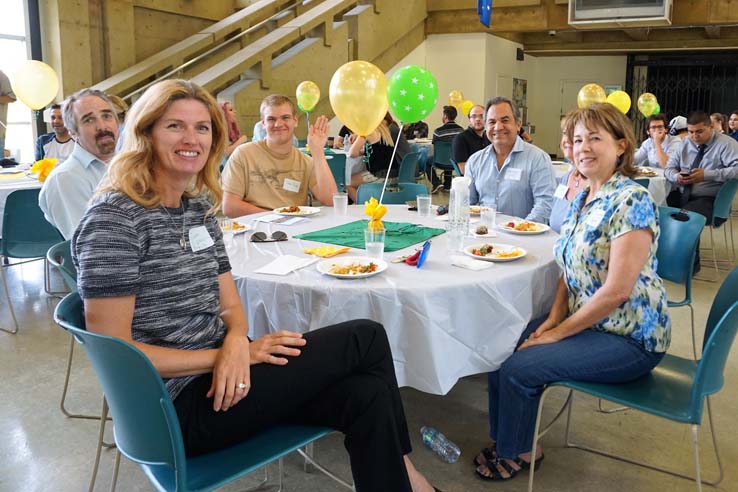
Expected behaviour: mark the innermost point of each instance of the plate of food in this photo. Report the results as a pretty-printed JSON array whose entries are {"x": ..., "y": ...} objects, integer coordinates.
[
  {"x": 523, "y": 227},
  {"x": 483, "y": 231},
  {"x": 495, "y": 252},
  {"x": 475, "y": 210},
  {"x": 234, "y": 227},
  {"x": 295, "y": 210},
  {"x": 646, "y": 172},
  {"x": 352, "y": 267}
]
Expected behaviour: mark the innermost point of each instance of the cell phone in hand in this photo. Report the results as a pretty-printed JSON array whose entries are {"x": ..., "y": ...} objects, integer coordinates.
[{"x": 685, "y": 174}]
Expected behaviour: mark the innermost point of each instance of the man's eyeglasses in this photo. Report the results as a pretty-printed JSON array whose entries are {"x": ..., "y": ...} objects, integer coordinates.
[
  {"x": 658, "y": 127},
  {"x": 261, "y": 237}
]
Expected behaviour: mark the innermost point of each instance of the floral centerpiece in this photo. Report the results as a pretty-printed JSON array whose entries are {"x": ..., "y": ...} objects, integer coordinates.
[{"x": 43, "y": 167}]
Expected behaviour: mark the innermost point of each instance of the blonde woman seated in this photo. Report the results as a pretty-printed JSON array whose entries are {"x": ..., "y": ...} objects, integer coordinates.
[
  {"x": 377, "y": 148},
  {"x": 170, "y": 293}
]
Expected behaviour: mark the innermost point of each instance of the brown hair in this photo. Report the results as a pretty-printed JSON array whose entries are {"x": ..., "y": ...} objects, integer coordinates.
[
  {"x": 273, "y": 100},
  {"x": 609, "y": 118},
  {"x": 131, "y": 171}
]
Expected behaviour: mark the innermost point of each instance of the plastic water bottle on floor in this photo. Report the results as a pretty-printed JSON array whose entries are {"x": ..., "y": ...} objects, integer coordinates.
[{"x": 448, "y": 451}]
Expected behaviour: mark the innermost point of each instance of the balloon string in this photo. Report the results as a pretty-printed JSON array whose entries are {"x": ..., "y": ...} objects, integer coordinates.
[
  {"x": 392, "y": 160},
  {"x": 308, "y": 120}
]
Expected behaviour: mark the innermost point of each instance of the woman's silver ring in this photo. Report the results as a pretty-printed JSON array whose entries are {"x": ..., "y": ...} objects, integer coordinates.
[{"x": 242, "y": 386}]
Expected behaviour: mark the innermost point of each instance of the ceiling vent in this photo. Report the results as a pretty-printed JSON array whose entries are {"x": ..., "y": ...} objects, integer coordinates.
[{"x": 598, "y": 14}]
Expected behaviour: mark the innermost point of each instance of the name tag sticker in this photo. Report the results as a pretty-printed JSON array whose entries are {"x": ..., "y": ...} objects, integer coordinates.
[
  {"x": 561, "y": 191},
  {"x": 595, "y": 218},
  {"x": 513, "y": 174},
  {"x": 291, "y": 185},
  {"x": 200, "y": 239}
]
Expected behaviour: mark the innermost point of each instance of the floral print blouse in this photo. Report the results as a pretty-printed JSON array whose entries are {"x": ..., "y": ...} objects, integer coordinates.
[{"x": 583, "y": 253}]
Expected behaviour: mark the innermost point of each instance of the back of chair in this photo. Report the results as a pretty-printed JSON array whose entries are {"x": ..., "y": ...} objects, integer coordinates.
[
  {"x": 408, "y": 191},
  {"x": 442, "y": 154},
  {"x": 678, "y": 245},
  {"x": 146, "y": 424},
  {"x": 724, "y": 200},
  {"x": 456, "y": 168},
  {"x": 409, "y": 168},
  {"x": 60, "y": 255},
  {"x": 338, "y": 168},
  {"x": 26, "y": 233},
  {"x": 726, "y": 296},
  {"x": 643, "y": 182}
]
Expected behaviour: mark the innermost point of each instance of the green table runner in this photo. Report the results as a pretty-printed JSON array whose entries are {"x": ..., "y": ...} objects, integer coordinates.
[{"x": 399, "y": 235}]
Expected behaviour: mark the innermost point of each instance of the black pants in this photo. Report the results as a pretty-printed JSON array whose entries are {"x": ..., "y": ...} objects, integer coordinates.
[
  {"x": 343, "y": 379},
  {"x": 703, "y": 205}
]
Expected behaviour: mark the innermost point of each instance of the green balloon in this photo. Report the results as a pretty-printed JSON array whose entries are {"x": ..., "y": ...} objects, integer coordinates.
[
  {"x": 657, "y": 109},
  {"x": 412, "y": 93}
]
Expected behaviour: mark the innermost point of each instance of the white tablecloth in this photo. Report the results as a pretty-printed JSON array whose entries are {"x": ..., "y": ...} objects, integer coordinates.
[
  {"x": 658, "y": 186},
  {"x": 443, "y": 322},
  {"x": 11, "y": 182}
]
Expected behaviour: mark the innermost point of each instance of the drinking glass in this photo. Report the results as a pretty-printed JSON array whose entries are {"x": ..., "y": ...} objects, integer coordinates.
[
  {"x": 423, "y": 203},
  {"x": 488, "y": 216},
  {"x": 340, "y": 203},
  {"x": 374, "y": 243}
]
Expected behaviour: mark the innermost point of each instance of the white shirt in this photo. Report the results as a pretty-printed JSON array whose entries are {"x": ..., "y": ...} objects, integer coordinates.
[
  {"x": 68, "y": 188},
  {"x": 647, "y": 153}
]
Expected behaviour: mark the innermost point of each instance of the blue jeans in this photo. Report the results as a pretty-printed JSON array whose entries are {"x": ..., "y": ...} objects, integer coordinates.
[{"x": 515, "y": 389}]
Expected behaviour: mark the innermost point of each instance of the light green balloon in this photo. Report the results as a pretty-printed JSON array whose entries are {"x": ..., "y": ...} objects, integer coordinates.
[{"x": 412, "y": 93}]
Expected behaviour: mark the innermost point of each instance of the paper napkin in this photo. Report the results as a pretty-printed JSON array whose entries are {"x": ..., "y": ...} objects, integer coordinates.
[
  {"x": 285, "y": 264},
  {"x": 470, "y": 263}
]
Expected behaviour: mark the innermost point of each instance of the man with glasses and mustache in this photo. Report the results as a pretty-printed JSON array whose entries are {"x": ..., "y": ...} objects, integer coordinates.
[
  {"x": 90, "y": 117},
  {"x": 656, "y": 150}
]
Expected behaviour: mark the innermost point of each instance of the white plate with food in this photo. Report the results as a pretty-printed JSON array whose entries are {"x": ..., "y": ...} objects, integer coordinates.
[
  {"x": 495, "y": 252},
  {"x": 234, "y": 227},
  {"x": 523, "y": 227},
  {"x": 298, "y": 211},
  {"x": 352, "y": 267},
  {"x": 482, "y": 231},
  {"x": 475, "y": 210},
  {"x": 646, "y": 172}
]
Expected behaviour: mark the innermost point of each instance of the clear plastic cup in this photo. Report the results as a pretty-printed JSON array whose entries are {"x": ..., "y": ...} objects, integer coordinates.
[
  {"x": 374, "y": 243},
  {"x": 340, "y": 203},
  {"x": 488, "y": 216},
  {"x": 423, "y": 203}
]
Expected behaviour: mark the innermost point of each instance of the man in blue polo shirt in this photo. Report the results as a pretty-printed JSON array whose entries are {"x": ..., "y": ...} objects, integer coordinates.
[{"x": 513, "y": 175}]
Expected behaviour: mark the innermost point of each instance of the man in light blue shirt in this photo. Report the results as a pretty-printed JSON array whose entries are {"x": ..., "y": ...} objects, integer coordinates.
[
  {"x": 90, "y": 117},
  {"x": 514, "y": 175},
  {"x": 656, "y": 150}
]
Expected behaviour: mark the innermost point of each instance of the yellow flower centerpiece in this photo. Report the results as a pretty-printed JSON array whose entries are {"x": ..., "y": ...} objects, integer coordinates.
[
  {"x": 43, "y": 167},
  {"x": 375, "y": 211}
]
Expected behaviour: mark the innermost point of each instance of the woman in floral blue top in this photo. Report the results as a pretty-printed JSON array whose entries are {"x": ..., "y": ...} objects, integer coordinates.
[{"x": 608, "y": 322}]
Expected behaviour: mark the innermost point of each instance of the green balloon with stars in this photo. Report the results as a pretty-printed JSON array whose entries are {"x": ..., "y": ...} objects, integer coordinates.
[{"x": 412, "y": 93}]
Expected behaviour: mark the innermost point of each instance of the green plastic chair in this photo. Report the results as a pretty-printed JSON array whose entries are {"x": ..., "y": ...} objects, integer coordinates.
[
  {"x": 147, "y": 427},
  {"x": 337, "y": 166},
  {"x": 457, "y": 169},
  {"x": 677, "y": 389},
  {"x": 408, "y": 192},
  {"x": 721, "y": 210},
  {"x": 643, "y": 182},
  {"x": 26, "y": 236},
  {"x": 409, "y": 168},
  {"x": 442, "y": 156}
]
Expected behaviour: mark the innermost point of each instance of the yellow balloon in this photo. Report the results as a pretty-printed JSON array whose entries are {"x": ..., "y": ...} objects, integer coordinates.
[
  {"x": 35, "y": 84},
  {"x": 455, "y": 98},
  {"x": 358, "y": 95},
  {"x": 308, "y": 95},
  {"x": 647, "y": 104},
  {"x": 591, "y": 94},
  {"x": 620, "y": 100},
  {"x": 466, "y": 106}
]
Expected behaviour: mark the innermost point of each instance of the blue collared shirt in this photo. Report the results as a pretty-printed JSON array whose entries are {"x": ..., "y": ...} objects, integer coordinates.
[
  {"x": 720, "y": 163},
  {"x": 523, "y": 187},
  {"x": 647, "y": 153},
  {"x": 68, "y": 188}
]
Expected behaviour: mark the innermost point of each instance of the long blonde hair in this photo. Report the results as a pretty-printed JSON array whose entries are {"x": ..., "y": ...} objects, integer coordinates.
[{"x": 132, "y": 170}]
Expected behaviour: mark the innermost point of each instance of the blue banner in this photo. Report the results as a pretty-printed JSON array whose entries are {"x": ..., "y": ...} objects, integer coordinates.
[{"x": 484, "y": 9}]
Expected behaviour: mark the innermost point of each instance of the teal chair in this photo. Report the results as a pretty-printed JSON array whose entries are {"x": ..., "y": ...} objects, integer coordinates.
[
  {"x": 442, "y": 156},
  {"x": 409, "y": 168},
  {"x": 721, "y": 210},
  {"x": 337, "y": 166},
  {"x": 643, "y": 182},
  {"x": 407, "y": 192},
  {"x": 146, "y": 425},
  {"x": 26, "y": 235},
  {"x": 677, "y": 389},
  {"x": 457, "y": 169}
]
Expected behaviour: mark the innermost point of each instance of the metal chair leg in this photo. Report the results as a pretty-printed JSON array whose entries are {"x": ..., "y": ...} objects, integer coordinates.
[
  {"x": 116, "y": 468},
  {"x": 602, "y": 409},
  {"x": 323, "y": 469},
  {"x": 65, "y": 389},
  {"x": 7, "y": 298},
  {"x": 307, "y": 466},
  {"x": 694, "y": 338},
  {"x": 696, "y": 447},
  {"x": 98, "y": 450}
]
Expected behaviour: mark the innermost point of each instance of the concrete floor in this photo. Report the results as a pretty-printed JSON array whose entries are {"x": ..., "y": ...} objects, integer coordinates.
[{"x": 42, "y": 450}]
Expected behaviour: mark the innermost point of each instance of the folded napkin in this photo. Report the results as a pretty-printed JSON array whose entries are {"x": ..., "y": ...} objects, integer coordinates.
[
  {"x": 281, "y": 219},
  {"x": 285, "y": 264},
  {"x": 325, "y": 251},
  {"x": 444, "y": 218},
  {"x": 470, "y": 263},
  {"x": 398, "y": 235}
]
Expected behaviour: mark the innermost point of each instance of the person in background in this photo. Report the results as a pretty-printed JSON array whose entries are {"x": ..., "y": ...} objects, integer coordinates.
[
  {"x": 444, "y": 133},
  {"x": 525, "y": 135},
  {"x": 609, "y": 321},
  {"x": 569, "y": 186},
  {"x": 377, "y": 149},
  {"x": 235, "y": 138},
  {"x": 338, "y": 142},
  {"x": 272, "y": 173},
  {"x": 170, "y": 293},
  {"x": 719, "y": 122},
  {"x": 656, "y": 150},
  {"x": 471, "y": 140},
  {"x": 7, "y": 96},
  {"x": 678, "y": 127},
  {"x": 733, "y": 125},
  {"x": 91, "y": 119},
  {"x": 515, "y": 176},
  {"x": 58, "y": 144},
  {"x": 419, "y": 129}
]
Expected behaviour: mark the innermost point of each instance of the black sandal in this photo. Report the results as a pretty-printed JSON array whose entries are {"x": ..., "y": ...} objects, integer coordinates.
[
  {"x": 496, "y": 474},
  {"x": 490, "y": 454},
  {"x": 525, "y": 465}
]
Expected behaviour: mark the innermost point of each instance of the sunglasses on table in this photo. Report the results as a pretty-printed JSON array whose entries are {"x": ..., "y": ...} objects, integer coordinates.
[{"x": 261, "y": 237}]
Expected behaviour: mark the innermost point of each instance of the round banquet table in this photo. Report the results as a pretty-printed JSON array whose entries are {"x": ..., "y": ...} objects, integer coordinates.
[
  {"x": 11, "y": 180},
  {"x": 658, "y": 186},
  {"x": 443, "y": 322}
]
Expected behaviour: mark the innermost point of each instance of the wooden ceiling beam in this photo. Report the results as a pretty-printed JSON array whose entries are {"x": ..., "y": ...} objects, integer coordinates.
[
  {"x": 638, "y": 34},
  {"x": 713, "y": 32}
]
